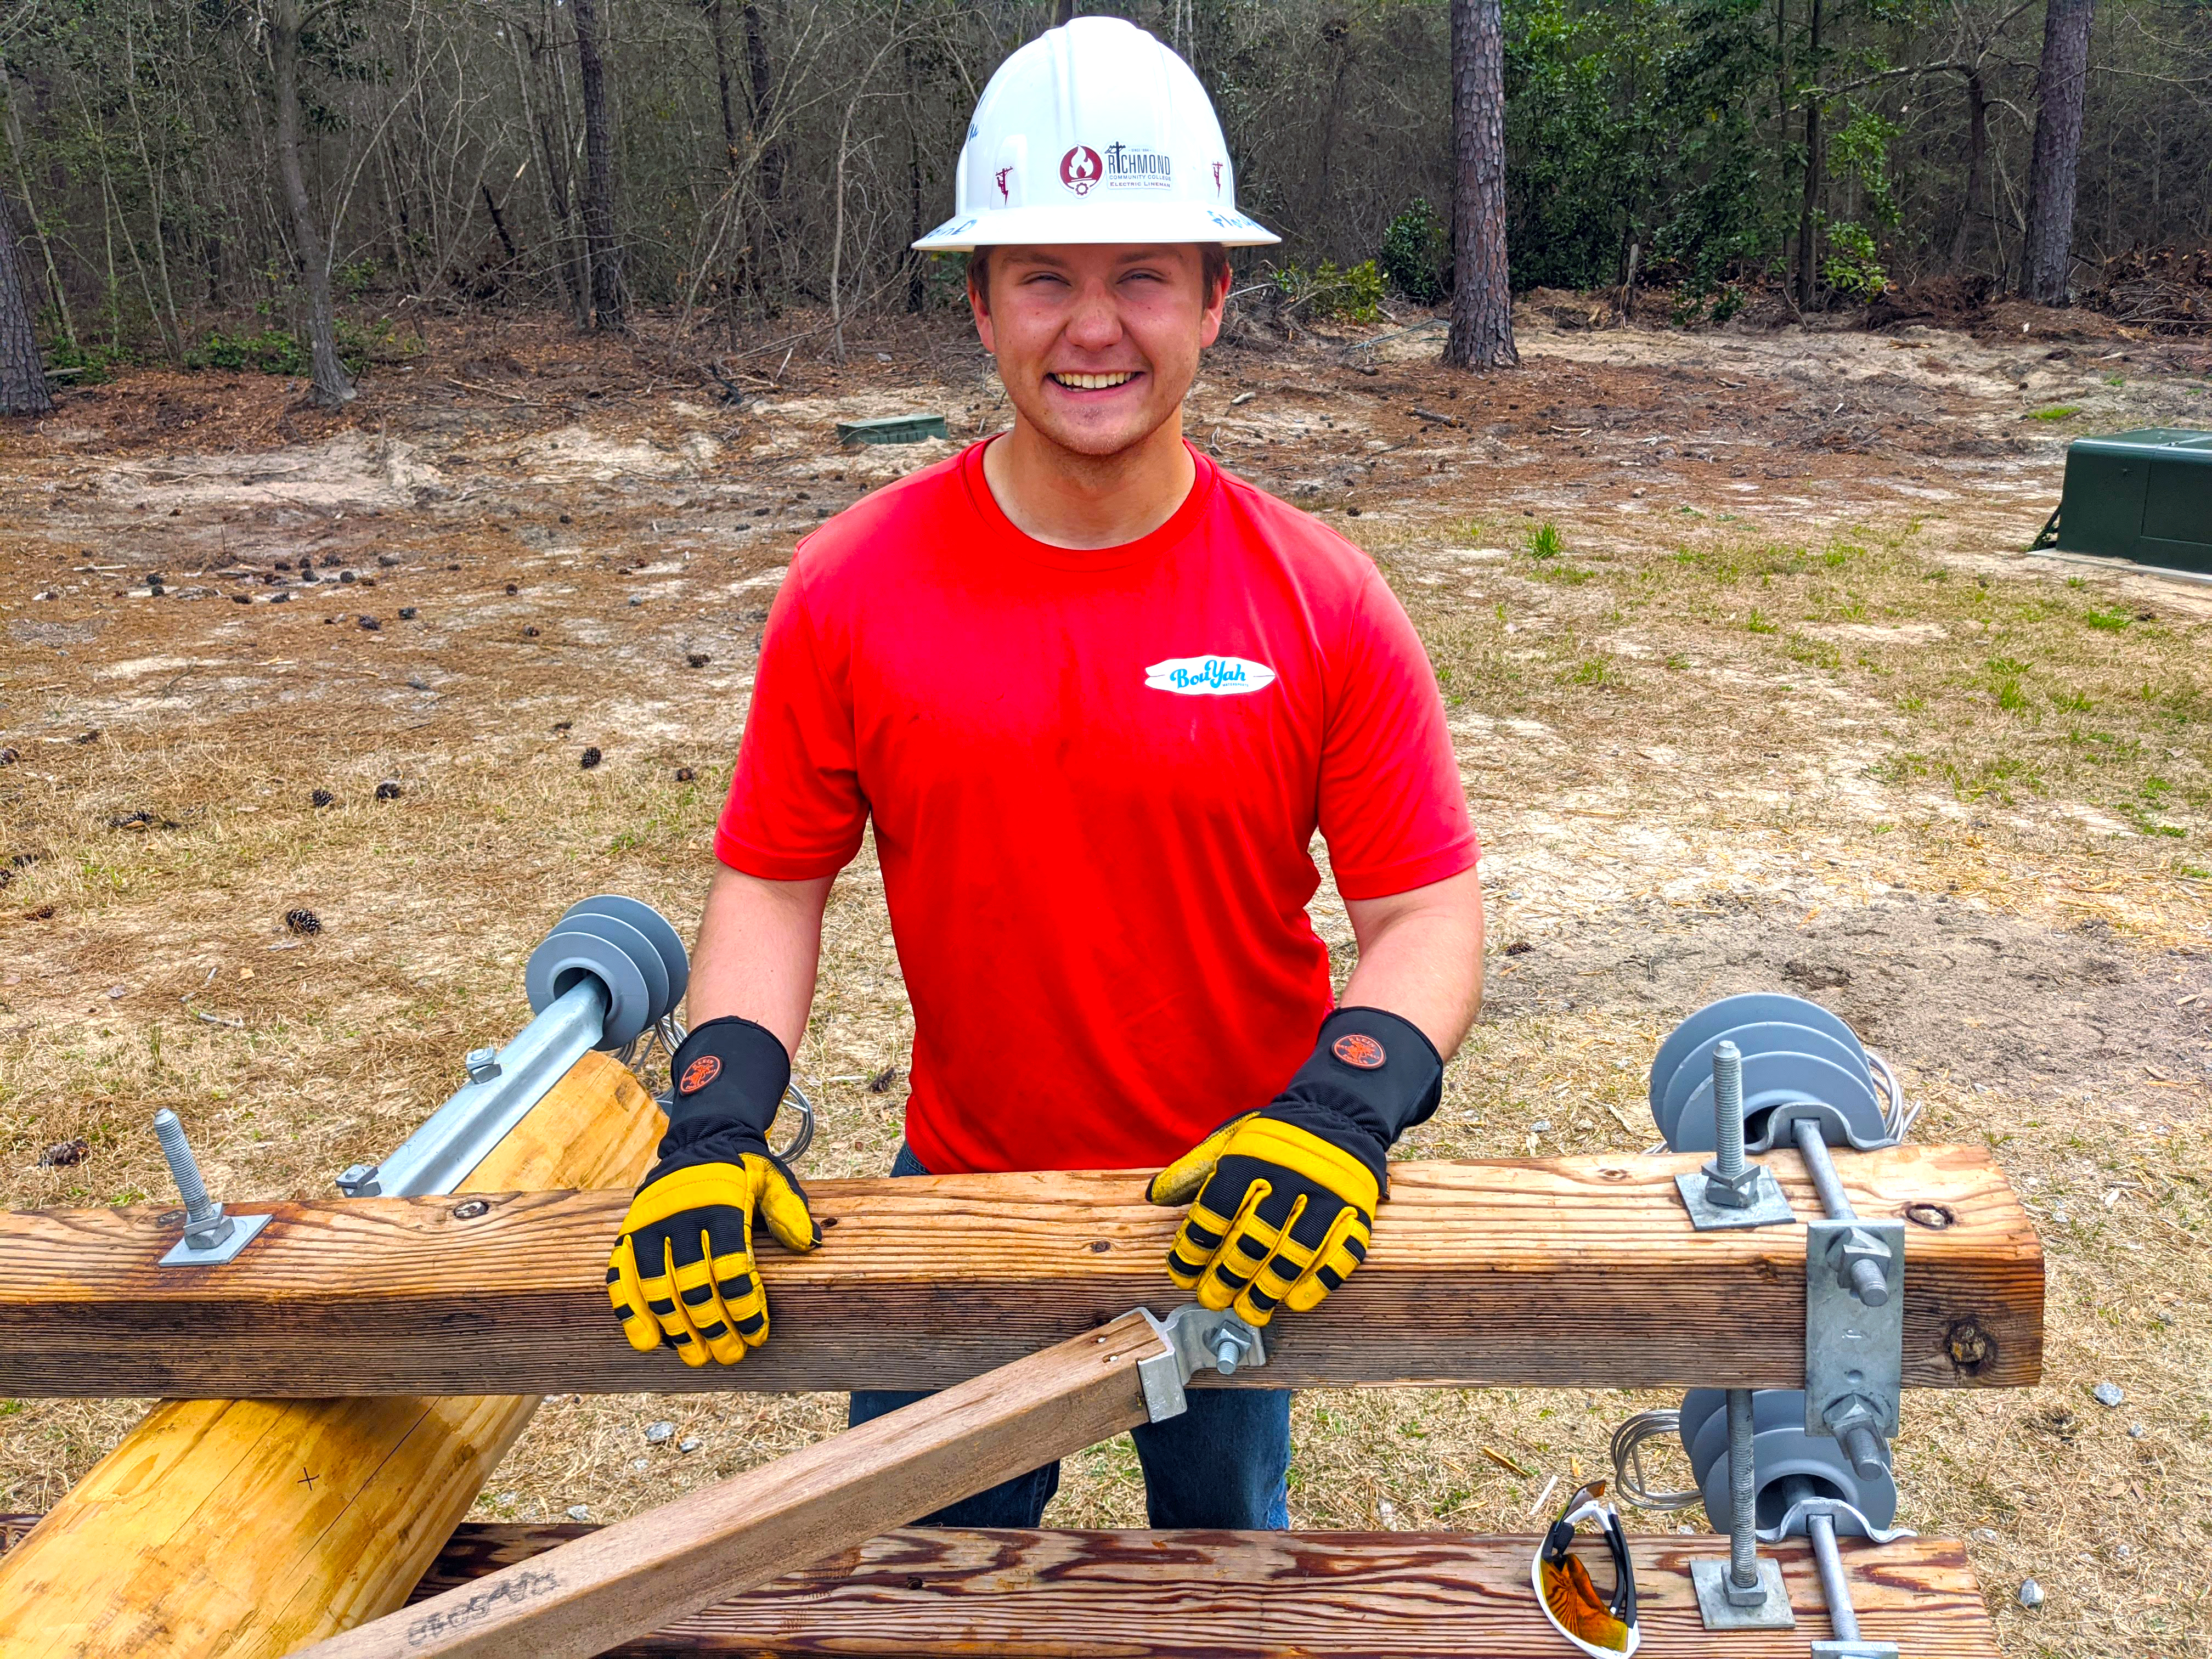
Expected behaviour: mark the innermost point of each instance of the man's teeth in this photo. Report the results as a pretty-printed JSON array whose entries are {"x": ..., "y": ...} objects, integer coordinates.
[{"x": 1095, "y": 382}]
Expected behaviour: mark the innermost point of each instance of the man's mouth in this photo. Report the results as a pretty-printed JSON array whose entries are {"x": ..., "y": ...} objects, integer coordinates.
[{"x": 1094, "y": 382}]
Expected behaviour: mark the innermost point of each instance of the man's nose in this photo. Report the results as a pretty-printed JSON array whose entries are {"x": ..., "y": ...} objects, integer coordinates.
[{"x": 1094, "y": 323}]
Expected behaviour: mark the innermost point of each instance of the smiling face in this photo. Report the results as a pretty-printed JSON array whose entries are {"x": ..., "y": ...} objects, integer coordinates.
[{"x": 1097, "y": 345}]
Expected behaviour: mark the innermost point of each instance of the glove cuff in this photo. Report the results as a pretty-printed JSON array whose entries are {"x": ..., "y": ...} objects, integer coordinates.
[
  {"x": 728, "y": 1075},
  {"x": 1372, "y": 1076}
]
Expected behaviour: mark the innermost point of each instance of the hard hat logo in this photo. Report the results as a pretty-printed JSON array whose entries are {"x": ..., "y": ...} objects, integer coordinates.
[
  {"x": 1137, "y": 166},
  {"x": 1004, "y": 196},
  {"x": 1217, "y": 178},
  {"x": 1079, "y": 169}
]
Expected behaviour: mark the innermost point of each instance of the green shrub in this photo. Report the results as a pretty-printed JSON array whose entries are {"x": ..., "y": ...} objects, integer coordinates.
[
  {"x": 1352, "y": 294},
  {"x": 278, "y": 351},
  {"x": 1415, "y": 253},
  {"x": 272, "y": 351},
  {"x": 1544, "y": 541},
  {"x": 1853, "y": 264},
  {"x": 94, "y": 363}
]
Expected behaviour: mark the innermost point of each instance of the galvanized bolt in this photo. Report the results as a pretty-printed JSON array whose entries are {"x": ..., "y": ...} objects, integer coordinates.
[
  {"x": 1854, "y": 1420},
  {"x": 1728, "y": 1110},
  {"x": 1745, "y": 1587},
  {"x": 482, "y": 1065},
  {"x": 1730, "y": 1184},
  {"x": 356, "y": 1180},
  {"x": 205, "y": 1224},
  {"x": 1232, "y": 1341}
]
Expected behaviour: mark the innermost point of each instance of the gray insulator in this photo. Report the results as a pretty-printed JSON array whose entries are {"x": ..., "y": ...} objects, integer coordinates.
[
  {"x": 1788, "y": 1463},
  {"x": 1793, "y": 1050},
  {"x": 1758, "y": 1037},
  {"x": 618, "y": 955},
  {"x": 667, "y": 943}
]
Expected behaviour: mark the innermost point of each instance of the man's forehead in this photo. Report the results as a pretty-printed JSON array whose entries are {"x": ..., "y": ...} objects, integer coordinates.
[{"x": 1061, "y": 256}]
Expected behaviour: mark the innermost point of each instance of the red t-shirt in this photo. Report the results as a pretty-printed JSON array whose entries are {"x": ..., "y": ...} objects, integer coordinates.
[{"x": 1095, "y": 776}]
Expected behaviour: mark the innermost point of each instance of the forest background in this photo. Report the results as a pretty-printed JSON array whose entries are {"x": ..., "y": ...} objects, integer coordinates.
[{"x": 184, "y": 173}]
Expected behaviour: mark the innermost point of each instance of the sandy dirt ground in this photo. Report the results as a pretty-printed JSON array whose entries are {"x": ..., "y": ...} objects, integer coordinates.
[{"x": 1752, "y": 684}]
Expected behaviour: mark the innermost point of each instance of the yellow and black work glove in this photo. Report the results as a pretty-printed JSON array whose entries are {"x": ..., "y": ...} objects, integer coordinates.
[
  {"x": 1282, "y": 1201},
  {"x": 681, "y": 1273}
]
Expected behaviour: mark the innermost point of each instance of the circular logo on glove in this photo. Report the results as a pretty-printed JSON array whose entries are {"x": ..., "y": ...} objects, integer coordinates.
[
  {"x": 1080, "y": 168},
  {"x": 1359, "y": 1049},
  {"x": 704, "y": 1070}
]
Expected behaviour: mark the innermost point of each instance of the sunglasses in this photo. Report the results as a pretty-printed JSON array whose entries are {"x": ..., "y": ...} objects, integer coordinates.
[{"x": 1595, "y": 1625}]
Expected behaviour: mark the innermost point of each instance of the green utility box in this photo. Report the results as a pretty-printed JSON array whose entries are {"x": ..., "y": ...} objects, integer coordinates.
[
  {"x": 893, "y": 429},
  {"x": 2145, "y": 495}
]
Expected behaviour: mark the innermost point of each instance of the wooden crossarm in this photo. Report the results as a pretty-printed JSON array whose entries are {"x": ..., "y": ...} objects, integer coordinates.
[
  {"x": 1548, "y": 1273},
  {"x": 582, "y": 1598},
  {"x": 927, "y": 1594},
  {"x": 949, "y": 1595}
]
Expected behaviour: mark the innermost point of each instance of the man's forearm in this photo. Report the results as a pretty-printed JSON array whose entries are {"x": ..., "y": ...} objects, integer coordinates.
[
  {"x": 1421, "y": 957},
  {"x": 760, "y": 946}
]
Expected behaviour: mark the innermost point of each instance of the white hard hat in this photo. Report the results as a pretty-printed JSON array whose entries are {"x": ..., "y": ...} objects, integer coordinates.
[{"x": 1094, "y": 132}]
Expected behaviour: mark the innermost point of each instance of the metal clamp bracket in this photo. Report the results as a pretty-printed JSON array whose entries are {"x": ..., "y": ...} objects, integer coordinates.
[
  {"x": 1779, "y": 1128},
  {"x": 1854, "y": 1329},
  {"x": 1196, "y": 1338},
  {"x": 1845, "y": 1518},
  {"x": 1822, "y": 1520}
]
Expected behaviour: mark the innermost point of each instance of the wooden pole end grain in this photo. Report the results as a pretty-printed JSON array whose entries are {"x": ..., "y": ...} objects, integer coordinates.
[{"x": 1482, "y": 1273}]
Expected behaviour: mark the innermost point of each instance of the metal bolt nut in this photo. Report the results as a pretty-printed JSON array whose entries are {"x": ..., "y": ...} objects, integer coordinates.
[
  {"x": 482, "y": 1065},
  {"x": 1860, "y": 1261}
]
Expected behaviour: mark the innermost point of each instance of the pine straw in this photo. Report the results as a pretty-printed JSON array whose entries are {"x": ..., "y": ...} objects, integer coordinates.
[{"x": 1631, "y": 739}]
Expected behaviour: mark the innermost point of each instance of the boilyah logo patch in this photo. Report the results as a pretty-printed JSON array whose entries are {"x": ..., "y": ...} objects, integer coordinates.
[
  {"x": 1358, "y": 1048},
  {"x": 1209, "y": 677},
  {"x": 698, "y": 1073}
]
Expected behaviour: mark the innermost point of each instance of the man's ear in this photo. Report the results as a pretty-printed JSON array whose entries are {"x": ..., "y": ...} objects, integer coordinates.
[
  {"x": 1209, "y": 326},
  {"x": 979, "y": 302}
]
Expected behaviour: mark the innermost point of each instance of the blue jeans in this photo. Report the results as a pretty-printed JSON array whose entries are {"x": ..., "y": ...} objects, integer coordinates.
[{"x": 1224, "y": 1463}]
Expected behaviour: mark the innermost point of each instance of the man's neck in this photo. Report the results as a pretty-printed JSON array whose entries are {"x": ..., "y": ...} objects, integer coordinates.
[{"x": 1064, "y": 499}]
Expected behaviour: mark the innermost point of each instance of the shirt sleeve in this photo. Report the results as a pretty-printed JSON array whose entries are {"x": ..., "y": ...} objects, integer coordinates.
[
  {"x": 796, "y": 810},
  {"x": 1392, "y": 807}
]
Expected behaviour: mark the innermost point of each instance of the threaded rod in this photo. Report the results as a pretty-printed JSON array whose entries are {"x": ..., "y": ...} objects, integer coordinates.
[
  {"x": 1743, "y": 1496},
  {"x": 1728, "y": 1110},
  {"x": 184, "y": 1168}
]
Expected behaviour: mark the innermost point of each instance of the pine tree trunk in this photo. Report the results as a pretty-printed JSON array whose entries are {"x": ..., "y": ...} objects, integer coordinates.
[
  {"x": 2061, "y": 84},
  {"x": 1978, "y": 150},
  {"x": 713, "y": 8},
  {"x": 1808, "y": 223},
  {"x": 600, "y": 248},
  {"x": 761, "y": 76},
  {"x": 333, "y": 388},
  {"x": 22, "y": 377},
  {"x": 1481, "y": 334},
  {"x": 917, "y": 292}
]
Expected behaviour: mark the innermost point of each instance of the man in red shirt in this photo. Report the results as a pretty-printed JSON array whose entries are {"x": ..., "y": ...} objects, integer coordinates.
[{"x": 1096, "y": 697}]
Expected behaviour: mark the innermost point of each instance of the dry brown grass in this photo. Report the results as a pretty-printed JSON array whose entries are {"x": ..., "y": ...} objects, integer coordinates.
[{"x": 1631, "y": 733}]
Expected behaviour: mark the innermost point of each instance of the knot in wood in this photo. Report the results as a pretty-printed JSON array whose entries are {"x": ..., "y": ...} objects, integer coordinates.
[{"x": 1970, "y": 1346}]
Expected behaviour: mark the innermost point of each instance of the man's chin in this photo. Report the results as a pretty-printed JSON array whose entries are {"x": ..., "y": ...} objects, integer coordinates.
[{"x": 1099, "y": 443}]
